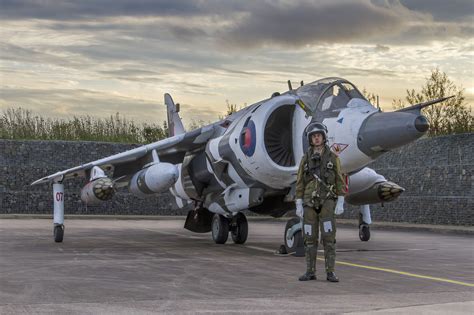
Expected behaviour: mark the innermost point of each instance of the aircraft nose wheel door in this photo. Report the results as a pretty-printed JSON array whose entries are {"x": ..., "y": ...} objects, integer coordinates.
[
  {"x": 220, "y": 229},
  {"x": 294, "y": 243},
  {"x": 239, "y": 228}
]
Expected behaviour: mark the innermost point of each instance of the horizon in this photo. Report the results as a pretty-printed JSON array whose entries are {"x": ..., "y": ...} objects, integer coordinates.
[{"x": 100, "y": 58}]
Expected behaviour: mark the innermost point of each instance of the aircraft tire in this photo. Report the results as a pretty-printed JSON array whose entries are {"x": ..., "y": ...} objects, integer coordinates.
[
  {"x": 364, "y": 232},
  {"x": 297, "y": 241},
  {"x": 58, "y": 233},
  {"x": 240, "y": 229},
  {"x": 220, "y": 229}
]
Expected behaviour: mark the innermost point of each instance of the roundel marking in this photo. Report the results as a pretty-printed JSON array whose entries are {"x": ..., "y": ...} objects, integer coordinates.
[{"x": 248, "y": 138}]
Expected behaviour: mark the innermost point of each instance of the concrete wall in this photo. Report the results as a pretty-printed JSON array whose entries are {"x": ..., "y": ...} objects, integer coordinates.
[
  {"x": 437, "y": 174},
  {"x": 22, "y": 162}
]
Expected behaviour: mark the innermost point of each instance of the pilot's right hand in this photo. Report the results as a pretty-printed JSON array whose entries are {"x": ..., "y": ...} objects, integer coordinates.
[{"x": 299, "y": 208}]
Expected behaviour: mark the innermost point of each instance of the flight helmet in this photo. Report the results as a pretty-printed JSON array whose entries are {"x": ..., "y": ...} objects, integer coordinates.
[{"x": 316, "y": 127}]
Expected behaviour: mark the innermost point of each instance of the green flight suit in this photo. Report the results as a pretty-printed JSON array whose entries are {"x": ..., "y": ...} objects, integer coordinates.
[{"x": 319, "y": 201}]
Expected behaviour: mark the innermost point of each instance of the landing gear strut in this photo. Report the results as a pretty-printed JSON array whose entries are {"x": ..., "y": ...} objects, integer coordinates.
[
  {"x": 58, "y": 216},
  {"x": 364, "y": 223}
]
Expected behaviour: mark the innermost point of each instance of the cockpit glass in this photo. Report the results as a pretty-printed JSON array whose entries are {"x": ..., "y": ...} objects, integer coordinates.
[{"x": 328, "y": 96}]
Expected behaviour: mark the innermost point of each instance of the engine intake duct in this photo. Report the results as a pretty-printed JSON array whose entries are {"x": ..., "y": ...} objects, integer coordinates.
[{"x": 278, "y": 136}]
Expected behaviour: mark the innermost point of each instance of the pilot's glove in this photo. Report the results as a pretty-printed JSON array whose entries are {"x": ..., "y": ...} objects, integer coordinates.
[
  {"x": 339, "y": 205},
  {"x": 299, "y": 208}
]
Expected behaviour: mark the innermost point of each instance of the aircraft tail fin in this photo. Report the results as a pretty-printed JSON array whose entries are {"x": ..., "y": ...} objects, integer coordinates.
[{"x": 175, "y": 125}]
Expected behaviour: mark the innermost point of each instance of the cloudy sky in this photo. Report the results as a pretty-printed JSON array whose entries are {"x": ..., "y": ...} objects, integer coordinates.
[{"x": 64, "y": 58}]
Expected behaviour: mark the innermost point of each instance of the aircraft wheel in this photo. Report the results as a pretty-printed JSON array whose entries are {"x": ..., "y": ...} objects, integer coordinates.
[
  {"x": 296, "y": 241},
  {"x": 239, "y": 229},
  {"x": 364, "y": 232},
  {"x": 58, "y": 233},
  {"x": 220, "y": 229}
]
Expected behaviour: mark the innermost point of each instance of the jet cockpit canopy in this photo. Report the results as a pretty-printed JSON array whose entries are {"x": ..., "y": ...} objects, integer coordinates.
[{"x": 327, "y": 97}]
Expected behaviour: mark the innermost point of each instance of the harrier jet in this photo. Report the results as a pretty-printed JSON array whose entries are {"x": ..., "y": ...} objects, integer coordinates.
[{"x": 249, "y": 160}]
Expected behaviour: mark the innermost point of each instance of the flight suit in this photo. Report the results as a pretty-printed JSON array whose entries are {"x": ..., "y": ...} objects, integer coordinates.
[{"x": 319, "y": 201}]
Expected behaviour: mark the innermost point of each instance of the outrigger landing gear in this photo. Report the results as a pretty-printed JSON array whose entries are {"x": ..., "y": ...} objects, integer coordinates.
[
  {"x": 364, "y": 223},
  {"x": 58, "y": 217},
  {"x": 58, "y": 232}
]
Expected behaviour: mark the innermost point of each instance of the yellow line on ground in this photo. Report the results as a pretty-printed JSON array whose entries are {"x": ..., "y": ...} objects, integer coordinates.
[
  {"x": 403, "y": 273},
  {"x": 348, "y": 264}
]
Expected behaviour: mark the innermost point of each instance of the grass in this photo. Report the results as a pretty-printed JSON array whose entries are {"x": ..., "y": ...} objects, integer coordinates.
[{"x": 22, "y": 124}]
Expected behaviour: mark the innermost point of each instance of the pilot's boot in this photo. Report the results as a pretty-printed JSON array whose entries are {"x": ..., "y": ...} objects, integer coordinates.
[
  {"x": 307, "y": 276},
  {"x": 331, "y": 277},
  {"x": 310, "y": 254}
]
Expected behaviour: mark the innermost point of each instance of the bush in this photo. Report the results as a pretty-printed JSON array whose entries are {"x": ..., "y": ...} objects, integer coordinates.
[{"x": 20, "y": 123}]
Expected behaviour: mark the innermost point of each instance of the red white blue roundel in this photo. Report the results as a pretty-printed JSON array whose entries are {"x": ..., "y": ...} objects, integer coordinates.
[{"x": 248, "y": 138}]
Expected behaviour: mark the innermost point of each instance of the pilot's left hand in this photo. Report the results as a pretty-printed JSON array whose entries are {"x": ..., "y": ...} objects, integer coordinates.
[{"x": 339, "y": 205}]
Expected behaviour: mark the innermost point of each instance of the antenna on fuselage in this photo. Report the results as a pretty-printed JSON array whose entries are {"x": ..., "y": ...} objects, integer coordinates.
[
  {"x": 301, "y": 83},
  {"x": 289, "y": 85}
]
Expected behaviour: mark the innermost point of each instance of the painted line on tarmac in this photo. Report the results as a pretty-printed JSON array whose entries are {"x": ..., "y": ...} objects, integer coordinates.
[
  {"x": 260, "y": 248},
  {"x": 403, "y": 273},
  {"x": 380, "y": 269},
  {"x": 414, "y": 275},
  {"x": 172, "y": 233}
]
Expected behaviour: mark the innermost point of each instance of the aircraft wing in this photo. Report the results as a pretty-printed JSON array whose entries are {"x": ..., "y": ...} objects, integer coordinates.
[
  {"x": 418, "y": 107},
  {"x": 170, "y": 149}
]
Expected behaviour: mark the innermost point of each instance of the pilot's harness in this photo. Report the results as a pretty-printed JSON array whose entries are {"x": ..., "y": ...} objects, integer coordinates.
[{"x": 329, "y": 188}]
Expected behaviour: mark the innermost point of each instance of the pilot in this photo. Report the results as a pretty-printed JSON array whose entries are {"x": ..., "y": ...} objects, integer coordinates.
[{"x": 320, "y": 190}]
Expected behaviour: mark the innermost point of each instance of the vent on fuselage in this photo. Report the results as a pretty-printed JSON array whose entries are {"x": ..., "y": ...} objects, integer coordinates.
[{"x": 278, "y": 136}]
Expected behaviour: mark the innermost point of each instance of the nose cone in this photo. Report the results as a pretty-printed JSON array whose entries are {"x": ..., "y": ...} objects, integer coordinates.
[{"x": 382, "y": 132}]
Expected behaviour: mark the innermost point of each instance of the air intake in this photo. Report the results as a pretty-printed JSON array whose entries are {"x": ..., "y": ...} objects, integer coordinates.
[{"x": 278, "y": 136}]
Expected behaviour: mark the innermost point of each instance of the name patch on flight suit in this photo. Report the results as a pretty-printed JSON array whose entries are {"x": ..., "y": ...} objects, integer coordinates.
[{"x": 308, "y": 230}]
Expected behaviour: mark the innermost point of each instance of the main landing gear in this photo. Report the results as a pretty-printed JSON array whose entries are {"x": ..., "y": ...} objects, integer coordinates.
[
  {"x": 237, "y": 226},
  {"x": 201, "y": 220}
]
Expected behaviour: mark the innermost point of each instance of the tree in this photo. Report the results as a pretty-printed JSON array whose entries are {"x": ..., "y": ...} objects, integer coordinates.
[
  {"x": 231, "y": 108},
  {"x": 371, "y": 97},
  {"x": 448, "y": 117}
]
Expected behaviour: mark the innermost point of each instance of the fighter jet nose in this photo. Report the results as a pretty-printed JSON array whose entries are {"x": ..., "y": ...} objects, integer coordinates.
[
  {"x": 422, "y": 124},
  {"x": 382, "y": 132}
]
